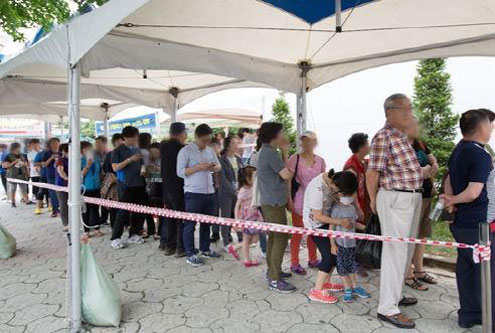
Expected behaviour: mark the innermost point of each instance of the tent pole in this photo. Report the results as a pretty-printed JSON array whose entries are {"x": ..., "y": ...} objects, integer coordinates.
[
  {"x": 298, "y": 120},
  {"x": 301, "y": 103},
  {"x": 46, "y": 130},
  {"x": 157, "y": 125},
  {"x": 486, "y": 289},
  {"x": 174, "y": 91},
  {"x": 61, "y": 128},
  {"x": 338, "y": 15},
  {"x": 105, "y": 107},
  {"x": 75, "y": 196}
]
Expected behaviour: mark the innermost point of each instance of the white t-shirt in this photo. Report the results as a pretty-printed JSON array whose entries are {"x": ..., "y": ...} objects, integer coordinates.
[
  {"x": 248, "y": 142},
  {"x": 32, "y": 170},
  {"x": 313, "y": 199}
]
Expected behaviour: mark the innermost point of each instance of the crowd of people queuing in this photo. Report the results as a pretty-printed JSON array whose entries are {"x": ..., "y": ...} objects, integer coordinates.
[{"x": 251, "y": 176}]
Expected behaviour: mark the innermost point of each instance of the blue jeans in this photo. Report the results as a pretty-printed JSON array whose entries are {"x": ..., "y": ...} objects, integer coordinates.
[
  {"x": 263, "y": 241},
  {"x": 201, "y": 204},
  {"x": 53, "y": 195}
]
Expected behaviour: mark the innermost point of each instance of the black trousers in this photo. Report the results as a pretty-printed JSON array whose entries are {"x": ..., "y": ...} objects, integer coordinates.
[
  {"x": 172, "y": 229},
  {"x": 468, "y": 275},
  {"x": 91, "y": 217},
  {"x": 136, "y": 195},
  {"x": 4, "y": 182},
  {"x": 328, "y": 260},
  {"x": 35, "y": 188}
]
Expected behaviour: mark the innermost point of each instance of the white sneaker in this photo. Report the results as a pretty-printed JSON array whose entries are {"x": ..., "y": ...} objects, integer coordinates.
[
  {"x": 136, "y": 239},
  {"x": 117, "y": 244}
]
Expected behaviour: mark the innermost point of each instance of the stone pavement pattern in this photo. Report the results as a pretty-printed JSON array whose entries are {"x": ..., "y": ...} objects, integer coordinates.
[{"x": 162, "y": 294}]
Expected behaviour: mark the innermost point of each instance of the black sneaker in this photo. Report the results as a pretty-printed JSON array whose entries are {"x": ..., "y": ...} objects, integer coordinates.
[
  {"x": 13, "y": 205},
  {"x": 281, "y": 286},
  {"x": 210, "y": 254}
]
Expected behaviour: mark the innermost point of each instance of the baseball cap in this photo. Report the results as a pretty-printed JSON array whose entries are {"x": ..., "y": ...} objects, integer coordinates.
[
  {"x": 309, "y": 135},
  {"x": 177, "y": 128}
]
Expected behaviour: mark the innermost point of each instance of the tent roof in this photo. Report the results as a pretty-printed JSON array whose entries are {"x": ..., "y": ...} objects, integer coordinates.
[
  {"x": 265, "y": 41},
  {"x": 224, "y": 117}
]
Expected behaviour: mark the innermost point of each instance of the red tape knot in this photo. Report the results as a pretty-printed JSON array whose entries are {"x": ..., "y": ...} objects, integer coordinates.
[{"x": 481, "y": 252}]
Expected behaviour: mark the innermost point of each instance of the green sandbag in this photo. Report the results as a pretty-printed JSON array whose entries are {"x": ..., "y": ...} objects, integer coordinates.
[
  {"x": 100, "y": 295},
  {"x": 7, "y": 244}
]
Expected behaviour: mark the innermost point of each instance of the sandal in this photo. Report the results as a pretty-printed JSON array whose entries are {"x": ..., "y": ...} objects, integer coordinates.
[
  {"x": 415, "y": 284},
  {"x": 426, "y": 278}
]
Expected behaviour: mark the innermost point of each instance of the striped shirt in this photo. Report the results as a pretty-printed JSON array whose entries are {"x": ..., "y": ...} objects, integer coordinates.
[{"x": 394, "y": 158}]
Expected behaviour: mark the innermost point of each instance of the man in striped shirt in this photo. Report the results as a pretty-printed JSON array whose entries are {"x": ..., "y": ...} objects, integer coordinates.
[{"x": 394, "y": 180}]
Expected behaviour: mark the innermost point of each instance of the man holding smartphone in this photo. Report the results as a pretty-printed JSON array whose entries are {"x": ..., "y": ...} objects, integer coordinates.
[
  {"x": 127, "y": 162},
  {"x": 196, "y": 164}
]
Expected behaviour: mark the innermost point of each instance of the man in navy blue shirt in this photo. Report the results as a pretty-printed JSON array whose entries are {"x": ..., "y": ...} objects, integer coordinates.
[
  {"x": 3, "y": 172},
  {"x": 469, "y": 167},
  {"x": 48, "y": 162}
]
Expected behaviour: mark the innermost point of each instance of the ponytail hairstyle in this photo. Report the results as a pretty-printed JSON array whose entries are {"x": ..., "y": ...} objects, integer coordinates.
[
  {"x": 345, "y": 181},
  {"x": 245, "y": 175}
]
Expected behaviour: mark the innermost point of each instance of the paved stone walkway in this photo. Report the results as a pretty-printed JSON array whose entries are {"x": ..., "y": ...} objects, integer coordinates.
[{"x": 165, "y": 294}]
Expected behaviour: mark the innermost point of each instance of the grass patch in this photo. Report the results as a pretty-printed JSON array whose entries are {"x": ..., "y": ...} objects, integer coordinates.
[{"x": 441, "y": 232}]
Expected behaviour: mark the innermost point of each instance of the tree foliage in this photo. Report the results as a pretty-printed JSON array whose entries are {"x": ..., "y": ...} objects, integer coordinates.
[
  {"x": 88, "y": 130},
  {"x": 18, "y": 14},
  {"x": 432, "y": 102},
  {"x": 281, "y": 114}
]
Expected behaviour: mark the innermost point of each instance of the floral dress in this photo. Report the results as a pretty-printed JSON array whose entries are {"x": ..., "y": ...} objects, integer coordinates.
[{"x": 247, "y": 211}]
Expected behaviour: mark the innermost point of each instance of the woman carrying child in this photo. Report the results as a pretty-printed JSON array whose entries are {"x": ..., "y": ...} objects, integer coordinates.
[{"x": 320, "y": 196}]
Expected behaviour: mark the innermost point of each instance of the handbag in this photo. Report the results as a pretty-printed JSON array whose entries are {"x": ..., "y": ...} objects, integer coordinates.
[
  {"x": 294, "y": 184},
  {"x": 368, "y": 252}
]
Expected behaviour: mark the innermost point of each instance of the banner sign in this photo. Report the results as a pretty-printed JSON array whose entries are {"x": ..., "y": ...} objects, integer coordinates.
[
  {"x": 11, "y": 128},
  {"x": 145, "y": 124}
]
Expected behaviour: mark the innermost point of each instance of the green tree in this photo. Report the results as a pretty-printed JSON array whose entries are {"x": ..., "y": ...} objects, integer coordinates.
[
  {"x": 88, "y": 130},
  {"x": 18, "y": 14},
  {"x": 432, "y": 102},
  {"x": 281, "y": 114}
]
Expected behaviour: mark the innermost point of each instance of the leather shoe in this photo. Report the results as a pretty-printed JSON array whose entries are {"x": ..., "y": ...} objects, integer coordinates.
[
  {"x": 408, "y": 301},
  {"x": 470, "y": 324},
  {"x": 398, "y": 320},
  {"x": 168, "y": 251},
  {"x": 466, "y": 325}
]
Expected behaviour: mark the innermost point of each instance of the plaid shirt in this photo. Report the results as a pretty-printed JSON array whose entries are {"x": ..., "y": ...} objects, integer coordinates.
[{"x": 393, "y": 156}]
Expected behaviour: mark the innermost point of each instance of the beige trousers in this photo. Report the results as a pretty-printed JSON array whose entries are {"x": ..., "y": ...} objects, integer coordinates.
[{"x": 399, "y": 214}]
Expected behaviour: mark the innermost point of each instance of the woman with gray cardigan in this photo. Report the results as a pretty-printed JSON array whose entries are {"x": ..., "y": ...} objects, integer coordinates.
[{"x": 227, "y": 192}]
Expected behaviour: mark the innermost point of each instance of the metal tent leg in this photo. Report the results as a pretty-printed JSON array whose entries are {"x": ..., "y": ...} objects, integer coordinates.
[
  {"x": 75, "y": 197},
  {"x": 486, "y": 282}
]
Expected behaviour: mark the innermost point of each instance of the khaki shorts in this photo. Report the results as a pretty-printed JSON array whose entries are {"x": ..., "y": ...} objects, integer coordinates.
[
  {"x": 424, "y": 221},
  {"x": 13, "y": 187}
]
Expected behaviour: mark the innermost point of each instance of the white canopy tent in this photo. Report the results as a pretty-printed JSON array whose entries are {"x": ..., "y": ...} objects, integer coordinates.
[
  {"x": 225, "y": 117},
  {"x": 291, "y": 45},
  {"x": 38, "y": 89}
]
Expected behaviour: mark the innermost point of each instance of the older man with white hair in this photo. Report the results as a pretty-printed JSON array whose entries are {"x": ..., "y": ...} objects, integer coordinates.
[{"x": 394, "y": 180}]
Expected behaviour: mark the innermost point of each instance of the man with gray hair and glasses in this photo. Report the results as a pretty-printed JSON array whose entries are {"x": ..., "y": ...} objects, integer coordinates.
[{"x": 394, "y": 180}]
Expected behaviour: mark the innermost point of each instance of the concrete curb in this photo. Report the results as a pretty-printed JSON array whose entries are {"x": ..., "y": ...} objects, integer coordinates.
[{"x": 440, "y": 262}]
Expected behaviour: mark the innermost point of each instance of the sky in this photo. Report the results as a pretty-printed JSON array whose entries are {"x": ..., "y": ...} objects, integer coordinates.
[{"x": 351, "y": 104}]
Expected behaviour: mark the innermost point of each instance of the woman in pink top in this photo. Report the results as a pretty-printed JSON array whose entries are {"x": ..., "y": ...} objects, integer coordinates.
[{"x": 305, "y": 166}]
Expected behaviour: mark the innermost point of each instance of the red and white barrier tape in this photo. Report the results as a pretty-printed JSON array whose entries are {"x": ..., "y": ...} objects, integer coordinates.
[{"x": 479, "y": 251}]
